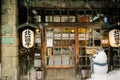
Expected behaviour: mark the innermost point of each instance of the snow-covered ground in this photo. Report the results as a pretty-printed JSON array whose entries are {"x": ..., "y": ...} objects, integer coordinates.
[{"x": 112, "y": 75}]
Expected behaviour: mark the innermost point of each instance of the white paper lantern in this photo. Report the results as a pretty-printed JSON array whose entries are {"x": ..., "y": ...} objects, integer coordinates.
[
  {"x": 114, "y": 38},
  {"x": 28, "y": 38}
]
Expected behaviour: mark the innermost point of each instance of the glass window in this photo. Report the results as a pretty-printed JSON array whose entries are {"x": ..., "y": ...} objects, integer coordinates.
[
  {"x": 97, "y": 41},
  {"x": 37, "y": 50},
  {"x": 59, "y": 40},
  {"x": 89, "y": 38}
]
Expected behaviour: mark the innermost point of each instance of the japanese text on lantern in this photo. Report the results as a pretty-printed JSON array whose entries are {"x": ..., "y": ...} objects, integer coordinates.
[
  {"x": 27, "y": 38},
  {"x": 114, "y": 38},
  {"x": 117, "y": 37}
]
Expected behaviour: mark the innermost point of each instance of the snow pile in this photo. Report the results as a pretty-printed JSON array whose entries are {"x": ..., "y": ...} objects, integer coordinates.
[{"x": 113, "y": 75}]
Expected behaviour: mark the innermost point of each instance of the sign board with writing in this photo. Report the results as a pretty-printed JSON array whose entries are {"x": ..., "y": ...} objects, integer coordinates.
[
  {"x": 8, "y": 40},
  {"x": 28, "y": 38},
  {"x": 104, "y": 41},
  {"x": 49, "y": 42},
  {"x": 91, "y": 50}
]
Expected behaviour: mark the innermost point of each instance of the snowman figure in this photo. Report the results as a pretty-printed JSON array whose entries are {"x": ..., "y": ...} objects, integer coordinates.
[{"x": 99, "y": 64}]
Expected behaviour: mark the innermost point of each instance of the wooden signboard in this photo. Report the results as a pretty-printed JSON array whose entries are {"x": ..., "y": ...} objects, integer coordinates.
[{"x": 91, "y": 50}]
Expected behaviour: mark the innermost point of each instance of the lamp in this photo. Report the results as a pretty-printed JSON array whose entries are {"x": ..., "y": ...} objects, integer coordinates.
[
  {"x": 72, "y": 30},
  {"x": 114, "y": 38},
  {"x": 34, "y": 12},
  {"x": 118, "y": 23},
  {"x": 37, "y": 30}
]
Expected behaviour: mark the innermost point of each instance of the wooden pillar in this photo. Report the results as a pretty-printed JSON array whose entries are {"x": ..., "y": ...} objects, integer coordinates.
[
  {"x": 76, "y": 39},
  {"x": 9, "y": 40}
]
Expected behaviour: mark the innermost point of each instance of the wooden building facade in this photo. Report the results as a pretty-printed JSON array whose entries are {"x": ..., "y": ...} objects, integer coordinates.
[
  {"x": 66, "y": 35},
  {"x": 67, "y": 39}
]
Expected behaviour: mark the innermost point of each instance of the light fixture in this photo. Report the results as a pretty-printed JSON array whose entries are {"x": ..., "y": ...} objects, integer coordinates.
[
  {"x": 37, "y": 30},
  {"x": 34, "y": 12},
  {"x": 118, "y": 23},
  {"x": 72, "y": 30}
]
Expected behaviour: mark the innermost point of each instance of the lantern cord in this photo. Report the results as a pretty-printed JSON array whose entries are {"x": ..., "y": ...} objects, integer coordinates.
[{"x": 27, "y": 4}]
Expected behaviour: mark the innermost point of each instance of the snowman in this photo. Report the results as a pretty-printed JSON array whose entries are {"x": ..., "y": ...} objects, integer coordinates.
[{"x": 99, "y": 64}]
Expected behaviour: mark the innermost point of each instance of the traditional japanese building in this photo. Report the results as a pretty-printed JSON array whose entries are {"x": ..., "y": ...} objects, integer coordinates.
[{"x": 55, "y": 40}]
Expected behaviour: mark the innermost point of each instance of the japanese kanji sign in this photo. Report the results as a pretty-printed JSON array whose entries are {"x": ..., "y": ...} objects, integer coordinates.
[
  {"x": 28, "y": 38},
  {"x": 114, "y": 38}
]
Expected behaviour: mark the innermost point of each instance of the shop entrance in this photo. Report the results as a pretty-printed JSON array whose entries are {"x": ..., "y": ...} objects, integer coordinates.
[
  {"x": 60, "y": 53},
  {"x": 60, "y": 47},
  {"x": 83, "y": 39}
]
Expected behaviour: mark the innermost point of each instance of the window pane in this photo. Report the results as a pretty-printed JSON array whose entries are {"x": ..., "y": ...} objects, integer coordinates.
[
  {"x": 57, "y": 51},
  {"x": 82, "y": 51},
  {"x": 97, "y": 41},
  {"x": 65, "y": 51}
]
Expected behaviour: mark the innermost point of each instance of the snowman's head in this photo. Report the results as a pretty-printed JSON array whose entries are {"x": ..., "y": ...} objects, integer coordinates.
[{"x": 100, "y": 56}]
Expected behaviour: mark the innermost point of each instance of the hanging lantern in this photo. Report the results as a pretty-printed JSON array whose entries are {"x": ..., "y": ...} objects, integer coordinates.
[
  {"x": 28, "y": 38},
  {"x": 114, "y": 38}
]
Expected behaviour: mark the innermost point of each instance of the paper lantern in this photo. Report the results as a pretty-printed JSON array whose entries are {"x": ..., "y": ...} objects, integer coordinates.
[
  {"x": 28, "y": 38},
  {"x": 114, "y": 38}
]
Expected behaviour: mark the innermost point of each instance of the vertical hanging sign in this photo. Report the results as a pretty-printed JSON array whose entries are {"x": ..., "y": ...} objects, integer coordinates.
[
  {"x": 28, "y": 38},
  {"x": 114, "y": 38}
]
